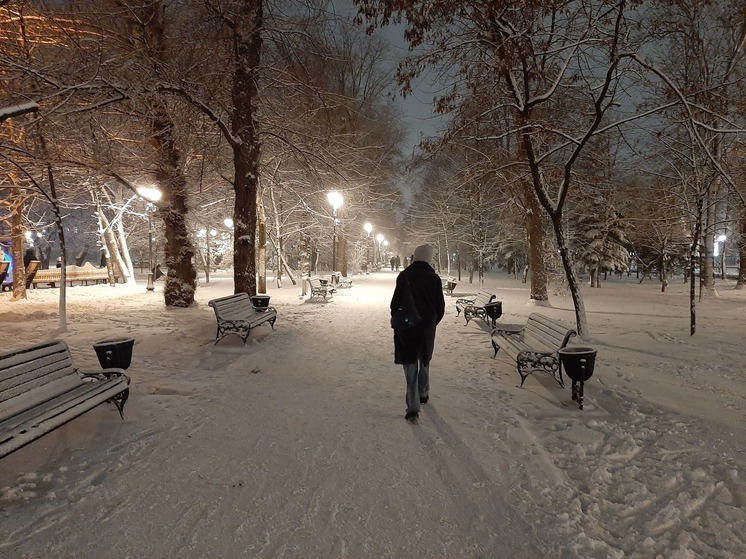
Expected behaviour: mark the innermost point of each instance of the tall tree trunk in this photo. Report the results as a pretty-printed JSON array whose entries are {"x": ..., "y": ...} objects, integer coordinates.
[
  {"x": 535, "y": 238},
  {"x": 572, "y": 279},
  {"x": 741, "y": 281},
  {"x": 61, "y": 235},
  {"x": 261, "y": 257},
  {"x": 181, "y": 280},
  {"x": 247, "y": 43}
]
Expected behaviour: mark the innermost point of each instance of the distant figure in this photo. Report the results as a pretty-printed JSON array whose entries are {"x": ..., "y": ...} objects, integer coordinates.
[
  {"x": 413, "y": 347},
  {"x": 397, "y": 262},
  {"x": 28, "y": 256},
  {"x": 157, "y": 273},
  {"x": 103, "y": 259},
  {"x": 59, "y": 262},
  {"x": 393, "y": 263}
]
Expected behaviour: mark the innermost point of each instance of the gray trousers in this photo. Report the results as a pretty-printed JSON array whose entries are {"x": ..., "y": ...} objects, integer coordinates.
[{"x": 418, "y": 384}]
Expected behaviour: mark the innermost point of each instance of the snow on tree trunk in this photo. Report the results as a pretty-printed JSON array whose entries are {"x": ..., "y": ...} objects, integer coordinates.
[
  {"x": 170, "y": 180},
  {"x": 16, "y": 235}
]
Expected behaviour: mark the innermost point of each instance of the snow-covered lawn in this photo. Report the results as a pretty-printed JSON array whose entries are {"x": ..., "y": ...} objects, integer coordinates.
[{"x": 296, "y": 445}]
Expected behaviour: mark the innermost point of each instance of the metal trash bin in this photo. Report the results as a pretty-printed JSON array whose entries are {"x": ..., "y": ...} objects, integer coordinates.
[
  {"x": 114, "y": 352},
  {"x": 494, "y": 310},
  {"x": 260, "y": 302},
  {"x": 578, "y": 363}
]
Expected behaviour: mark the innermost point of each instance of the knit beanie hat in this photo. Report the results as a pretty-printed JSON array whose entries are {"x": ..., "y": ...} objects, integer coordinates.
[{"x": 423, "y": 253}]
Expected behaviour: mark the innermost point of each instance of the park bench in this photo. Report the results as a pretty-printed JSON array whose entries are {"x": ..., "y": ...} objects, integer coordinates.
[
  {"x": 448, "y": 284},
  {"x": 41, "y": 389},
  {"x": 340, "y": 281},
  {"x": 320, "y": 288},
  {"x": 534, "y": 346},
  {"x": 82, "y": 274},
  {"x": 474, "y": 306},
  {"x": 236, "y": 314}
]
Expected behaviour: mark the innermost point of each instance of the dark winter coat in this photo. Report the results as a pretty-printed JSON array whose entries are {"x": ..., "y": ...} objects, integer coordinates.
[{"x": 427, "y": 291}]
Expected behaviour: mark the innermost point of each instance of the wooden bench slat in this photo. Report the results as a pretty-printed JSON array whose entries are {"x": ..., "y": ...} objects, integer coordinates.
[
  {"x": 41, "y": 389},
  {"x": 44, "y": 407}
]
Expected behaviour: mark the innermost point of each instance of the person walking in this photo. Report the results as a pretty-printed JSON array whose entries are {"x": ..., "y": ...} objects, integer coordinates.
[{"x": 413, "y": 346}]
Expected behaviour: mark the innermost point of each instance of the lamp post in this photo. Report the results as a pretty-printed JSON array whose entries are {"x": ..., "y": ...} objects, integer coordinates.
[
  {"x": 368, "y": 228},
  {"x": 151, "y": 195},
  {"x": 335, "y": 199},
  {"x": 379, "y": 238},
  {"x": 720, "y": 239}
]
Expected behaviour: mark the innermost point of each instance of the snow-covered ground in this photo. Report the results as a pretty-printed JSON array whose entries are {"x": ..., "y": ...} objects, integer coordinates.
[{"x": 296, "y": 445}]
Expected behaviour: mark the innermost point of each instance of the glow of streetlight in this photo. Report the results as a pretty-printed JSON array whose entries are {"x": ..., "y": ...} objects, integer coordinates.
[
  {"x": 228, "y": 222},
  {"x": 150, "y": 193},
  {"x": 379, "y": 238},
  {"x": 335, "y": 199},
  {"x": 368, "y": 227}
]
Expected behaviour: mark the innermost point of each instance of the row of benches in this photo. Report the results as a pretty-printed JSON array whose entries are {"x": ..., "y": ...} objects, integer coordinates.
[
  {"x": 534, "y": 346},
  {"x": 41, "y": 389}
]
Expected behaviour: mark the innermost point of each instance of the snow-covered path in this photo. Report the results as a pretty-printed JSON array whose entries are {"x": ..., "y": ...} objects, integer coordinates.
[{"x": 296, "y": 446}]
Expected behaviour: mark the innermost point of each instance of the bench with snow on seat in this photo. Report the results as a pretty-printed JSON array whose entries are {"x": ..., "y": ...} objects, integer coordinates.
[
  {"x": 320, "y": 288},
  {"x": 474, "y": 306},
  {"x": 236, "y": 314},
  {"x": 534, "y": 346},
  {"x": 340, "y": 281},
  {"x": 41, "y": 389}
]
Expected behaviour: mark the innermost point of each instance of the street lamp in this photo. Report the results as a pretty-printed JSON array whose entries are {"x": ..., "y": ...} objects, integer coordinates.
[
  {"x": 335, "y": 199},
  {"x": 368, "y": 228},
  {"x": 716, "y": 252},
  {"x": 151, "y": 195}
]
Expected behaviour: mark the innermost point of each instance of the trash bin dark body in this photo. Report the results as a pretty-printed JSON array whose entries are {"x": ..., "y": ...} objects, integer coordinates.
[
  {"x": 450, "y": 286},
  {"x": 116, "y": 352},
  {"x": 494, "y": 310},
  {"x": 578, "y": 363},
  {"x": 260, "y": 302}
]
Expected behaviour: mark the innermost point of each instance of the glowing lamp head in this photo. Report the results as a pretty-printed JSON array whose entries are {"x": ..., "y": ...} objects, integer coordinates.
[
  {"x": 335, "y": 199},
  {"x": 151, "y": 194}
]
